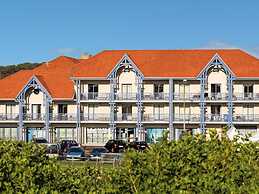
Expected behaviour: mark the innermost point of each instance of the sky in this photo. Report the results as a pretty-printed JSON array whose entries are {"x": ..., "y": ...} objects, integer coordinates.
[{"x": 37, "y": 31}]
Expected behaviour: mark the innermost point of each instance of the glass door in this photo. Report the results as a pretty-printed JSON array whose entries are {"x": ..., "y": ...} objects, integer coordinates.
[
  {"x": 126, "y": 91},
  {"x": 36, "y": 111}
]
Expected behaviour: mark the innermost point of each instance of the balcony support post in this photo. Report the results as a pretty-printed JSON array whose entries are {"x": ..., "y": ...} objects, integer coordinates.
[
  {"x": 112, "y": 105},
  {"x": 78, "y": 112},
  {"x": 20, "y": 124},
  {"x": 202, "y": 101},
  {"x": 230, "y": 100},
  {"x": 47, "y": 103},
  {"x": 171, "y": 110},
  {"x": 139, "y": 133}
]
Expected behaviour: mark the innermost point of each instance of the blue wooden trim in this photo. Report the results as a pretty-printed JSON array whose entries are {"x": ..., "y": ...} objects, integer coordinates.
[{"x": 120, "y": 64}]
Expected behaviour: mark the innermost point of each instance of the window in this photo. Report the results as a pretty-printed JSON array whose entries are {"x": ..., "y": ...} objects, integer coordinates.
[
  {"x": 92, "y": 112},
  {"x": 97, "y": 135},
  {"x": 8, "y": 133},
  {"x": 126, "y": 112},
  {"x": 215, "y": 109},
  {"x": 62, "y": 112},
  {"x": 158, "y": 112},
  {"x": 9, "y": 111},
  {"x": 66, "y": 133},
  {"x": 215, "y": 91},
  {"x": 215, "y": 88},
  {"x": 92, "y": 91},
  {"x": 36, "y": 111},
  {"x": 126, "y": 91},
  {"x": 248, "y": 111},
  {"x": 184, "y": 91},
  {"x": 215, "y": 112},
  {"x": 184, "y": 112},
  {"x": 248, "y": 91},
  {"x": 158, "y": 91},
  {"x": 62, "y": 109}
]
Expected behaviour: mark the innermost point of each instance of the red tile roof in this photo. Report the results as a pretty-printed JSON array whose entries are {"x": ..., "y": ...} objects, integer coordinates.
[
  {"x": 54, "y": 76},
  {"x": 169, "y": 63}
]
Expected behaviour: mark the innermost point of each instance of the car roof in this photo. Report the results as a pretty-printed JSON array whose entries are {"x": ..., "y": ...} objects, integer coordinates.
[{"x": 75, "y": 147}]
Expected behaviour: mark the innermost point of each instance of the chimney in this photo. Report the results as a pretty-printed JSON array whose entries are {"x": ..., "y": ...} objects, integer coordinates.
[{"x": 85, "y": 56}]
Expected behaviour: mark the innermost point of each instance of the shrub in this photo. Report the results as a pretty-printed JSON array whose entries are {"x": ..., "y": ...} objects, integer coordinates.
[
  {"x": 190, "y": 165},
  {"x": 193, "y": 165}
]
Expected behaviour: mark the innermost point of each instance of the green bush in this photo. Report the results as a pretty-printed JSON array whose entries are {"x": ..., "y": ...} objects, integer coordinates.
[{"x": 190, "y": 165}]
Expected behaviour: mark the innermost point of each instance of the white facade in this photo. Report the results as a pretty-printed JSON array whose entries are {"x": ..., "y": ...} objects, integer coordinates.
[{"x": 134, "y": 110}]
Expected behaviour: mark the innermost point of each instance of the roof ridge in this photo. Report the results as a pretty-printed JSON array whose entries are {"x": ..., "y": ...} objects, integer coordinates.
[{"x": 198, "y": 49}]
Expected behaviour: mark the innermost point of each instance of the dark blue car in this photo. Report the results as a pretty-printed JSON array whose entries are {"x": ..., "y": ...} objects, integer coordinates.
[
  {"x": 96, "y": 153},
  {"x": 75, "y": 153}
]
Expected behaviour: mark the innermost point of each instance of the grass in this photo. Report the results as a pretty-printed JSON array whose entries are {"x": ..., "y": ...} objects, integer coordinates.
[{"x": 81, "y": 164}]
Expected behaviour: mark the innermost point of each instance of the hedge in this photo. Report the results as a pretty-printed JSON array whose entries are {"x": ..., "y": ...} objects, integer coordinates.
[{"x": 190, "y": 165}]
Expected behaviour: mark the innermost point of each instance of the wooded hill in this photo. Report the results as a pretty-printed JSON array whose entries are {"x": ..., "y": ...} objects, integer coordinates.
[{"x": 10, "y": 69}]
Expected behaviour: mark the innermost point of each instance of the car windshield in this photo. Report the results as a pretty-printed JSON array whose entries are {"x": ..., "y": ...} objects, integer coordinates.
[
  {"x": 121, "y": 142},
  {"x": 75, "y": 150},
  {"x": 99, "y": 150},
  {"x": 40, "y": 141},
  {"x": 141, "y": 143}
]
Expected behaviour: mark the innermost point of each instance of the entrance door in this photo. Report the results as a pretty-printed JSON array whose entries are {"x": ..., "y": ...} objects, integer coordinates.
[
  {"x": 131, "y": 135},
  {"x": 35, "y": 133}
]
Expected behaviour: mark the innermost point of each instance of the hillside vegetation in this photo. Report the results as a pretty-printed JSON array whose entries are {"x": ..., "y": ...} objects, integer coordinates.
[{"x": 10, "y": 69}]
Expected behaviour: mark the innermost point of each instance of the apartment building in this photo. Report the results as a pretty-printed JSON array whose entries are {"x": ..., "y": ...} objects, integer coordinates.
[{"x": 132, "y": 94}]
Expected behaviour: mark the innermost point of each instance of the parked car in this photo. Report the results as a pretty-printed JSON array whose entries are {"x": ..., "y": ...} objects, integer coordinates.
[
  {"x": 116, "y": 146},
  {"x": 40, "y": 140},
  {"x": 65, "y": 145},
  {"x": 139, "y": 145},
  {"x": 53, "y": 150},
  {"x": 75, "y": 153},
  {"x": 96, "y": 153}
]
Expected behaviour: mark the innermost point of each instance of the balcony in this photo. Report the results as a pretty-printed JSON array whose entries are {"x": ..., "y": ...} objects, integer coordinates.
[
  {"x": 33, "y": 117},
  {"x": 156, "y": 117},
  {"x": 216, "y": 97},
  {"x": 216, "y": 118},
  {"x": 155, "y": 96},
  {"x": 126, "y": 96},
  {"x": 95, "y": 117},
  {"x": 187, "y": 117},
  {"x": 9, "y": 117},
  {"x": 63, "y": 117},
  {"x": 95, "y": 96},
  {"x": 246, "y": 118},
  {"x": 125, "y": 117},
  {"x": 187, "y": 96},
  {"x": 246, "y": 96},
  {"x": 100, "y": 117}
]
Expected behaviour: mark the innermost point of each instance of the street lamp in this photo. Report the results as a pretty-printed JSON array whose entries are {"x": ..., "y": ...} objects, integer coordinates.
[{"x": 184, "y": 82}]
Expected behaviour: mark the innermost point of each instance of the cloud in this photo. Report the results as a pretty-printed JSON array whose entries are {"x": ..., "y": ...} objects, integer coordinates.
[
  {"x": 68, "y": 51},
  {"x": 253, "y": 50},
  {"x": 218, "y": 44}
]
